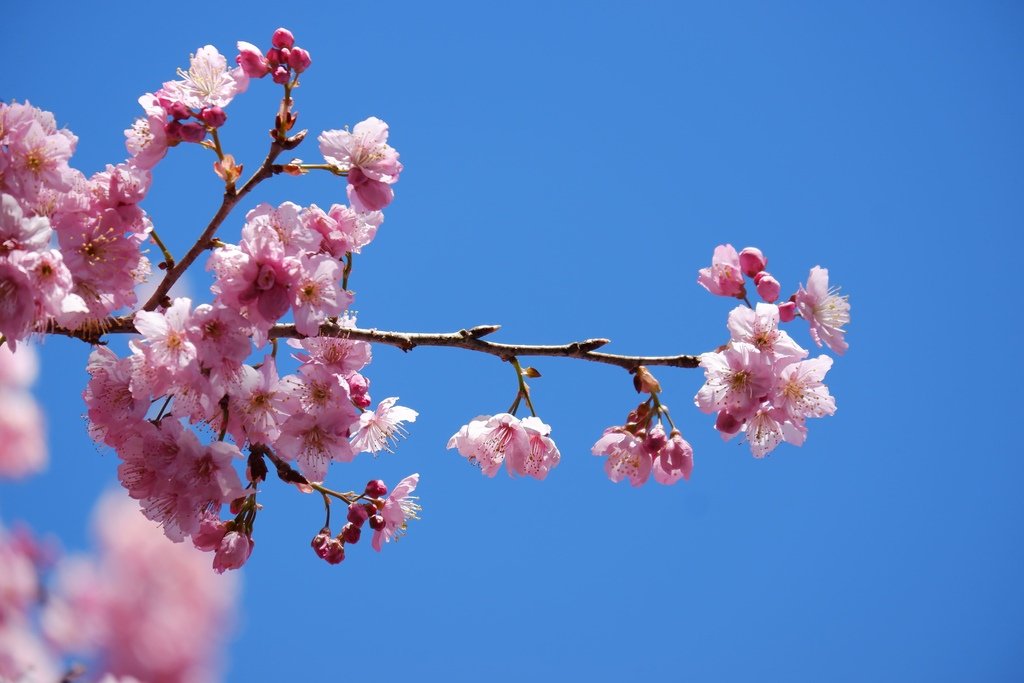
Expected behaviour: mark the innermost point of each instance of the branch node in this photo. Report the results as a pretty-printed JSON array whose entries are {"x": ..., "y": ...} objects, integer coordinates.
[
  {"x": 588, "y": 345},
  {"x": 480, "y": 331}
]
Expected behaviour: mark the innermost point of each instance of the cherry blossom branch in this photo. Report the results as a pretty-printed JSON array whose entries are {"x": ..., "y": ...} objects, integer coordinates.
[{"x": 469, "y": 340}]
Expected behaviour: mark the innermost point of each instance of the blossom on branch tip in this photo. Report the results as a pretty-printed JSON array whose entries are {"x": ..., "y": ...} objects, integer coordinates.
[
  {"x": 399, "y": 509},
  {"x": 490, "y": 440},
  {"x": 724, "y": 277},
  {"x": 825, "y": 310}
]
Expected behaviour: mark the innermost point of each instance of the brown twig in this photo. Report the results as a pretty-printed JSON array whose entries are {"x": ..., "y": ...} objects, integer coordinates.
[{"x": 470, "y": 340}]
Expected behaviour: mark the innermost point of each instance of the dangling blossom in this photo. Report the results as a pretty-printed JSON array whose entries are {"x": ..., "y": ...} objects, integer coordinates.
[
  {"x": 724, "y": 277},
  {"x": 380, "y": 430},
  {"x": 399, "y": 509},
  {"x": 543, "y": 455},
  {"x": 627, "y": 457},
  {"x": 825, "y": 310},
  {"x": 489, "y": 440}
]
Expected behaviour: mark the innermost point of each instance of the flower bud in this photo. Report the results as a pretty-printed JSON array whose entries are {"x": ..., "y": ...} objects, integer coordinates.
[
  {"x": 299, "y": 60},
  {"x": 357, "y": 514},
  {"x": 283, "y": 54},
  {"x": 213, "y": 116},
  {"x": 252, "y": 61},
  {"x": 282, "y": 38},
  {"x": 787, "y": 311},
  {"x": 727, "y": 424},
  {"x": 233, "y": 551},
  {"x": 281, "y": 75},
  {"x": 377, "y": 522},
  {"x": 176, "y": 110},
  {"x": 193, "y": 132},
  {"x": 768, "y": 287},
  {"x": 273, "y": 57},
  {"x": 644, "y": 381},
  {"x": 752, "y": 261},
  {"x": 376, "y": 489},
  {"x": 350, "y": 533}
]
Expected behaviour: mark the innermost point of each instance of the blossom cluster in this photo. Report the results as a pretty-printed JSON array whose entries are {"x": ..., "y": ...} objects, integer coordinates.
[
  {"x": 22, "y": 444},
  {"x": 762, "y": 383},
  {"x": 524, "y": 446},
  {"x": 97, "y": 221},
  {"x": 388, "y": 518},
  {"x": 141, "y": 609}
]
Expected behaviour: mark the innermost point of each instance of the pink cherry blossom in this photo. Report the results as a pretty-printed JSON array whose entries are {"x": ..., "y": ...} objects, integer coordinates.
[
  {"x": 207, "y": 83},
  {"x": 724, "y": 277},
  {"x": 627, "y": 457},
  {"x": 146, "y": 139},
  {"x": 489, "y": 439},
  {"x": 825, "y": 310},
  {"x": 543, "y": 455},
  {"x": 736, "y": 380},
  {"x": 800, "y": 391},
  {"x": 399, "y": 509},
  {"x": 371, "y": 163},
  {"x": 233, "y": 551},
  {"x": 380, "y": 430},
  {"x": 22, "y": 439},
  {"x": 752, "y": 261},
  {"x": 674, "y": 460},
  {"x": 760, "y": 328}
]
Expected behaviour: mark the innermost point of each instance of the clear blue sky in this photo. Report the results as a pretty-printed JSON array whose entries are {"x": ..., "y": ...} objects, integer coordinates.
[{"x": 568, "y": 170}]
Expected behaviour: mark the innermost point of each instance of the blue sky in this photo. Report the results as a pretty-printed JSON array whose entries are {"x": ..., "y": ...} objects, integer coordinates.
[{"x": 568, "y": 170}]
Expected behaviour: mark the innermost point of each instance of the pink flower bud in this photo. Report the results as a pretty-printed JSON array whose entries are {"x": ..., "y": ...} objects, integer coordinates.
[
  {"x": 299, "y": 60},
  {"x": 211, "y": 533},
  {"x": 377, "y": 522},
  {"x": 193, "y": 132},
  {"x": 357, "y": 514},
  {"x": 334, "y": 552},
  {"x": 252, "y": 61},
  {"x": 281, "y": 75},
  {"x": 235, "y": 548},
  {"x": 376, "y": 489},
  {"x": 176, "y": 110},
  {"x": 787, "y": 311},
  {"x": 768, "y": 287},
  {"x": 283, "y": 54},
  {"x": 727, "y": 424},
  {"x": 350, "y": 533},
  {"x": 752, "y": 261},
  {"x": 320, "y": 541},
  {"x": 213, "y": 116},
  {"x": 282, "y": 38},
  {"x": 273, "y": 57}
]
